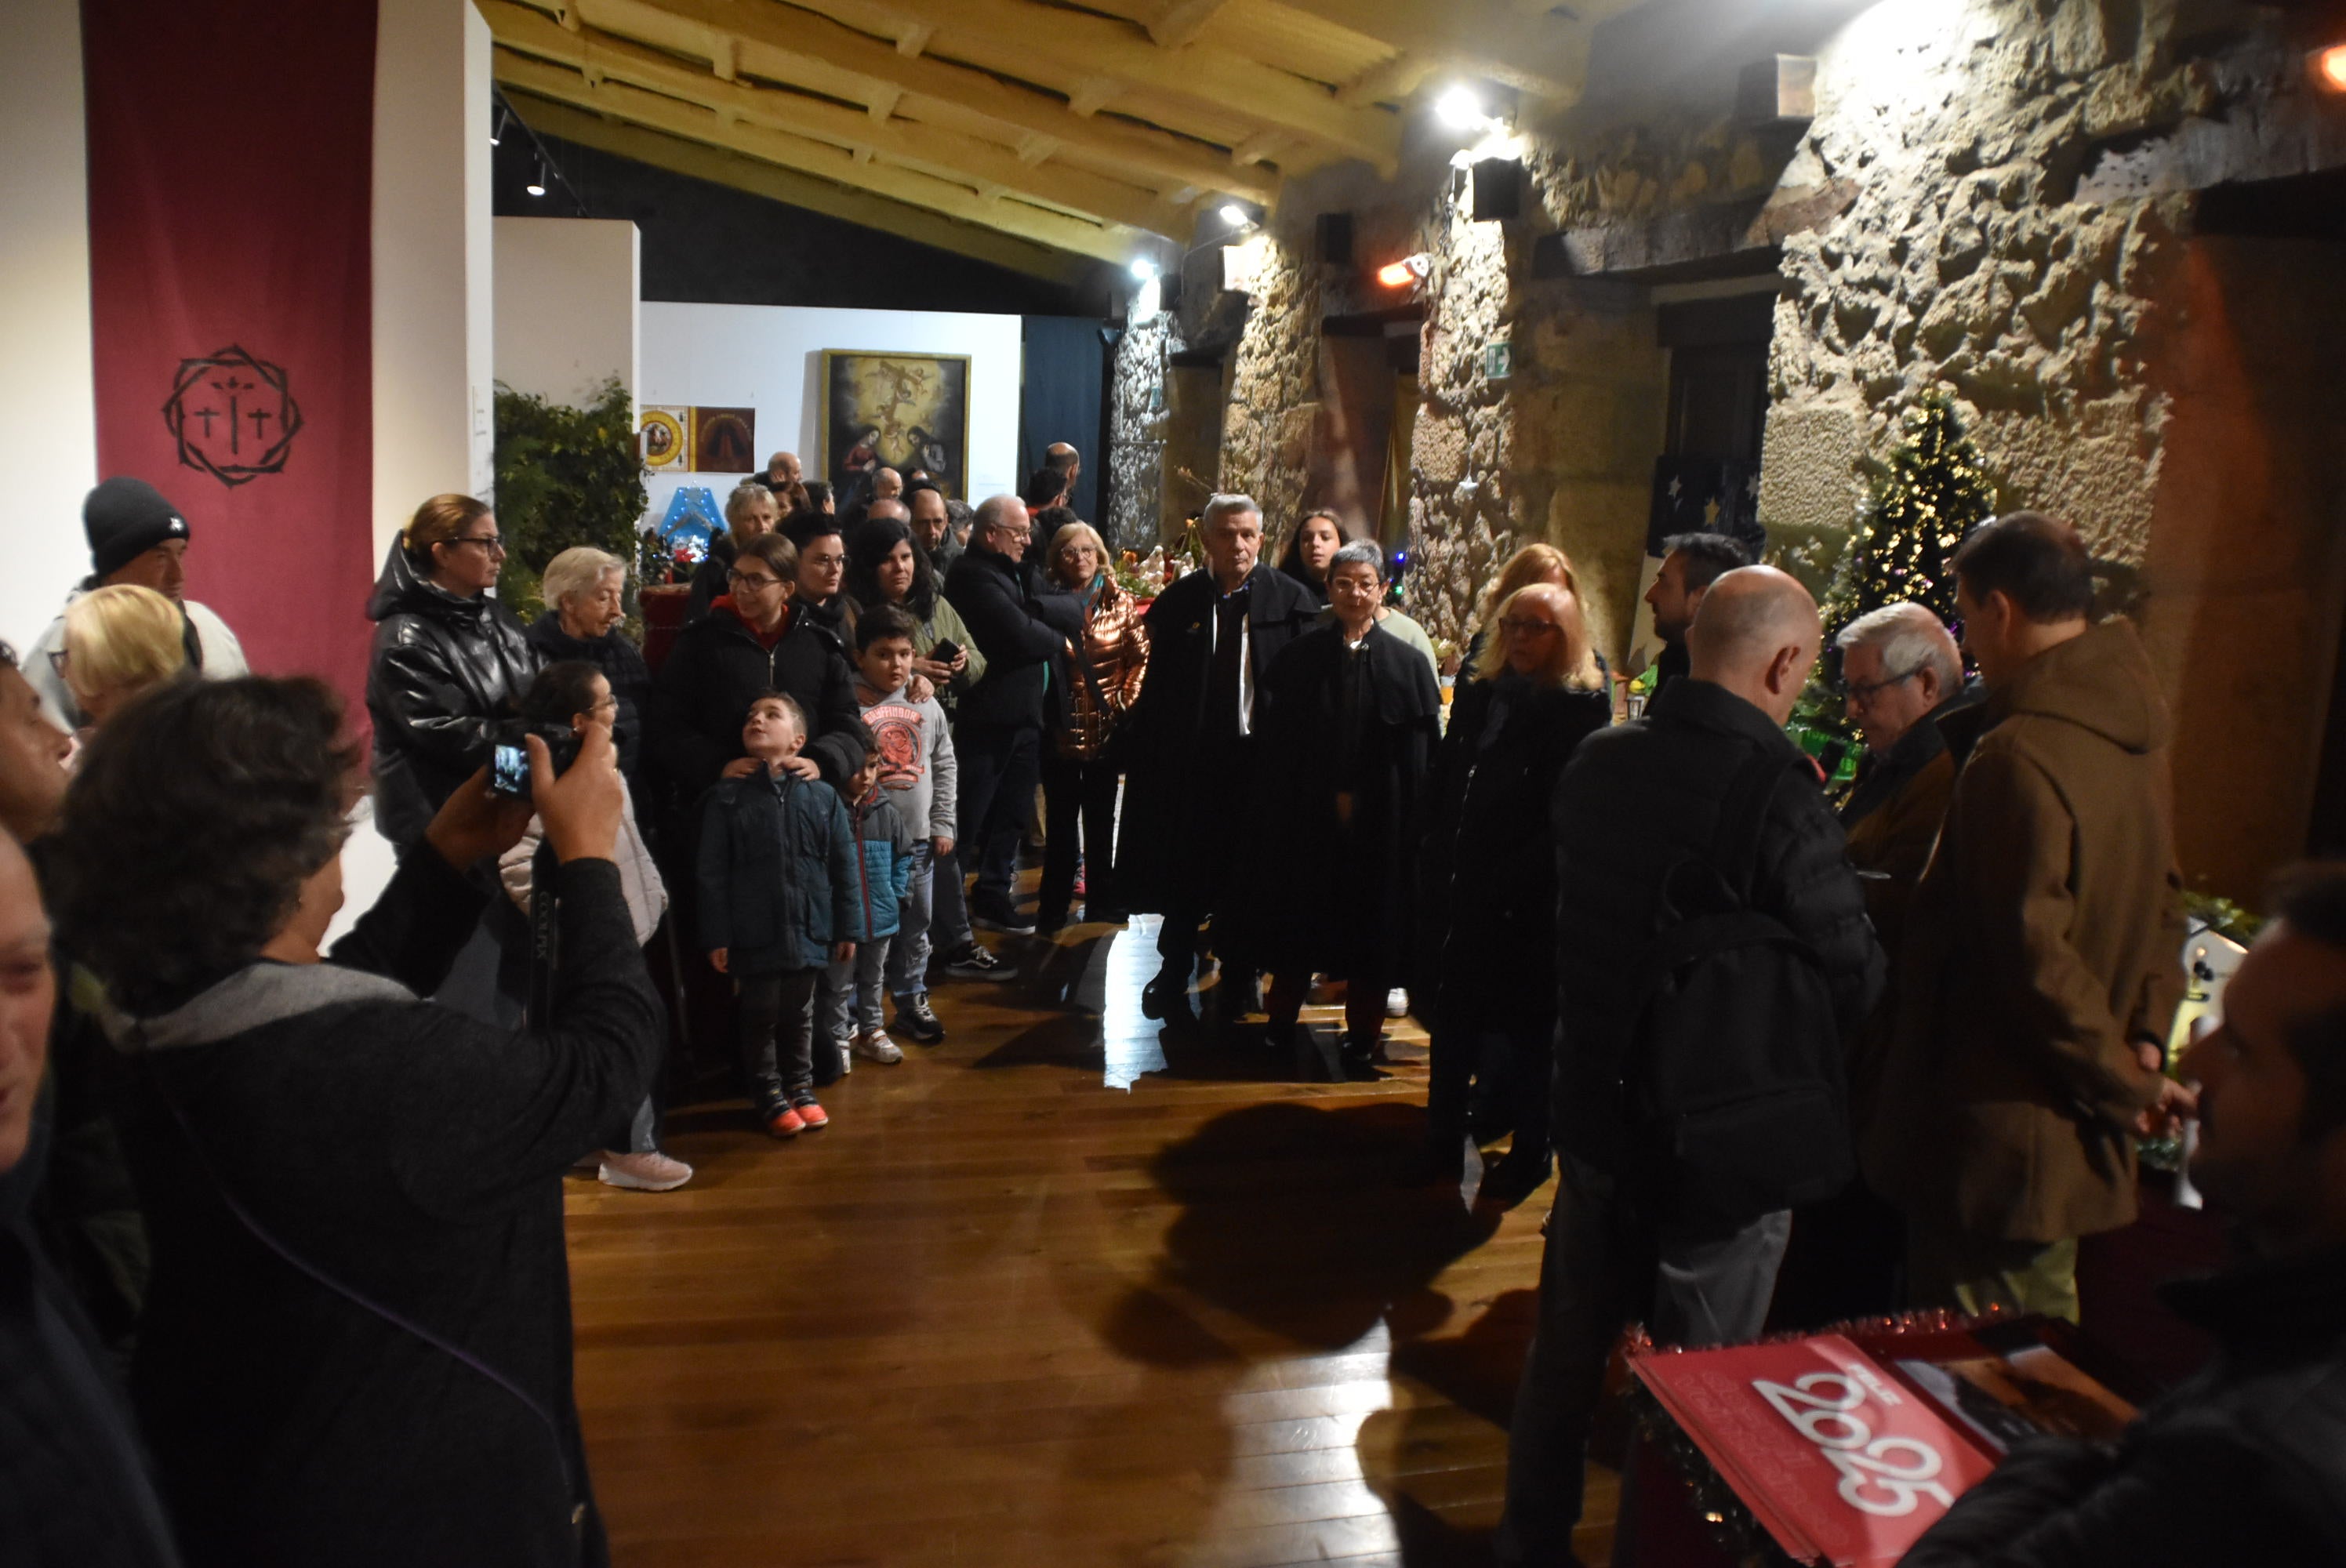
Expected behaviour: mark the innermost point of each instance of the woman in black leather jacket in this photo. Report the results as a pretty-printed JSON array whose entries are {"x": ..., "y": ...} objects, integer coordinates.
[{"x": 449, "y": 661}]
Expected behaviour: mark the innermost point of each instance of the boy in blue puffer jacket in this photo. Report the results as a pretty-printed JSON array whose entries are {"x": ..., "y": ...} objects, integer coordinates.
[
  {"x": 848, "y": 1003},
  {"x": 779, "y": 902}
]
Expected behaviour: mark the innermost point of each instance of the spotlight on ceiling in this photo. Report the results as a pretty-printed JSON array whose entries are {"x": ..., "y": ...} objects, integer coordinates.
[
  {"x": 1461, "y": 108},
  {"x": 2329, "y": 68},
  {"x": 498, "y": 131},
  {"x": 1409, "y": 269},
  {"x": 536, "y": 186},
  {"x": 1236, "y": 215},
  {"x": 1143, "y": 269}
]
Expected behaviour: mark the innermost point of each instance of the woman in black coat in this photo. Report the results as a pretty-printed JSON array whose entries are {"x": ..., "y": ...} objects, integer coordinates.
[
  {"x": 357, "y": 1340},
  {"x": 753, "y": 640},
  {"x": 449, "y": 660},
  {"x": 1485, "y": 965},
  {"x": 1352, "y": 723}
]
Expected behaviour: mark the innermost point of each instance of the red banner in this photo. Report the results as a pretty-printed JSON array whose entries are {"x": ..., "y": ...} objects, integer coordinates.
[{"x": 230, "y": 201}]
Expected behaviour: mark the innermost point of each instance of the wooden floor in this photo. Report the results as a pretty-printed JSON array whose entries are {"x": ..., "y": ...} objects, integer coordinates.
[{"x": 1048, "y": 1294}]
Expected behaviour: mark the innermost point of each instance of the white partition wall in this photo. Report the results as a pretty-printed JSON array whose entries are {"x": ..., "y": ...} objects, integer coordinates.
[
  {"x": 769, "y": 358},
  {"x": 568, "y": 291},
  {"x": 433, "y": 346},
  {"x": 47, "y": 384}
]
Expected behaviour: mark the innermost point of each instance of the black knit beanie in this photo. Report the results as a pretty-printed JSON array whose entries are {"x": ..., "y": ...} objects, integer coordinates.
[{"x": 125, "y": 518}]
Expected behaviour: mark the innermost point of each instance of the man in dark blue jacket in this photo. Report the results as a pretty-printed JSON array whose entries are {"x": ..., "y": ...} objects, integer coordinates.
[
  {"x": 1635, "y": 801},
  {"x": 2245, "y": 1462},
  {"x": 1023, "y": 630}
]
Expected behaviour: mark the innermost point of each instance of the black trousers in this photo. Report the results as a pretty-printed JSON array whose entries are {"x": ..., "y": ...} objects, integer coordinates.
[
  {"x": 1076, "y": 792},
  {"x": 1456, "y": 1056},
  {"x": 775, "y": 1016},
  {"x": 1000, "y": 766}
]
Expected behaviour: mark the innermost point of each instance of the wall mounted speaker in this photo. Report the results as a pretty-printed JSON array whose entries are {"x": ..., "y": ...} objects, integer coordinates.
[{"x": 1498, "y": 187}]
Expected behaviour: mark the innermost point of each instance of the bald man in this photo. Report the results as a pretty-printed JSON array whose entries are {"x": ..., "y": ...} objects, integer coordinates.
[
  {"x": 887, "y": 484},
  {"x": 783, "y": 469},
  {"x": 1707, "y": 780}
]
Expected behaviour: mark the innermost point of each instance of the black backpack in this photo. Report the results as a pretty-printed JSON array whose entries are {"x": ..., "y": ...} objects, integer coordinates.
[{"x": 1734, "y": 1090}]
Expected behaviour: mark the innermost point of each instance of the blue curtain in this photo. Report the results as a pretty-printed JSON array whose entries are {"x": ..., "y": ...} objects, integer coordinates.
[{"x": 1065, "y": 398}]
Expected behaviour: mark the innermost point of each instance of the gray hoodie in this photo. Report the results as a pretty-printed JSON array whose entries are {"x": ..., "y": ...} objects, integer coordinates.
[{"x": 916, "y": 760}]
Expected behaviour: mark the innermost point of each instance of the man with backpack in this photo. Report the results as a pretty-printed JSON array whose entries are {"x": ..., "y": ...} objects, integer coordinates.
[{"x": 1713, "y": 958}]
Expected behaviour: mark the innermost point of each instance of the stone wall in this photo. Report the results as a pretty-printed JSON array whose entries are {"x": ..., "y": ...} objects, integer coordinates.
[
  {"x": 1274, "y": 396},
  {"x": 1135, "y": 432}
]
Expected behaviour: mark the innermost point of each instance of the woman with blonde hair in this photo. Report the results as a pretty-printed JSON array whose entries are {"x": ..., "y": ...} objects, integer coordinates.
[
  {"x": 1485, "y": 961},
  {"x": 749, "y": 511},
  {"x": 1104, "y": 672},
  {"x": 119, "y": 642},
  {"x": 1535, "y": 563}
]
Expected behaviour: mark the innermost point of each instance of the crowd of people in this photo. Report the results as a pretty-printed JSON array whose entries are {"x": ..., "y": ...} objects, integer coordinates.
[{"x": 1790, "y": 1059}]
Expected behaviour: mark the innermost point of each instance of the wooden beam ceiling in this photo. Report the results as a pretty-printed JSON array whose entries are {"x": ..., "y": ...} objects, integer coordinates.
[
  {"x": 592, "y": 54},
  {"x": 759, "y": 177},
  {"x": 1089, "y": 128},
  {"x": 695, "y": 123}
]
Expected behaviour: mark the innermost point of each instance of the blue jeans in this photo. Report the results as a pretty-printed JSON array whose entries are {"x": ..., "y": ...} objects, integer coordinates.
[{"x": 908, "y": 951}]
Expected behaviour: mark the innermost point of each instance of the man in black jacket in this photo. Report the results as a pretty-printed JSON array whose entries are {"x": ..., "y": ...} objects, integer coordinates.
[
  {"x": 2246, "y": 1462},
  {"x": 1633, "y": 802},
  {"x": 1022, "y": 631},
  {"x": 1211, "y": 639}
]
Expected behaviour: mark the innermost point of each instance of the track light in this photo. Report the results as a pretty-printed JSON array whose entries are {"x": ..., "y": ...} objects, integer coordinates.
[
  {"x": 498, "y": 131},
  {"x": 1461, "y": 108},
  {"x": 2329, "y": 68},
  {"x": 1409, "y": 269},
  {"x": 536, "y": 186}
]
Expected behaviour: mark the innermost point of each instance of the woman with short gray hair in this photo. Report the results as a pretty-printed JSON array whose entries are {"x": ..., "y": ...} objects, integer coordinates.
[{"x": 585, "y": 607}]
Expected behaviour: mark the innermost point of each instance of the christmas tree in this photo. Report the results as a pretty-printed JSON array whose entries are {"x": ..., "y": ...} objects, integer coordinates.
[{"x": 1937, "y": 490}]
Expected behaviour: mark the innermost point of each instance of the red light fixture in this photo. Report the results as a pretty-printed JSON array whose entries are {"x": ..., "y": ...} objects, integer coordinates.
[
  {"x": 2329, "y": 68},
  {"x": 1400, "y": 274}
]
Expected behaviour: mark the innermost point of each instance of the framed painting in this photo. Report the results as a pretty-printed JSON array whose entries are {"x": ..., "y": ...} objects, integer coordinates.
[
  {"x": 665, "y": 434},
  {"x": 725, "y": 441},
  {"x": 887, "y": 410}
]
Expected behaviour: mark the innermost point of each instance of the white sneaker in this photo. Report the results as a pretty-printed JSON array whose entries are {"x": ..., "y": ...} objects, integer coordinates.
[
  {"x": 1397, "y": 1002},
  {"x": 650, "y": 1171},
  {"x": 877, "y": 1047}
]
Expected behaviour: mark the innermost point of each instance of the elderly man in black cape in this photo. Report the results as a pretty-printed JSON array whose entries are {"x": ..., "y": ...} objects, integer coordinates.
[
  {"x": 1212, "y": 638},
  {"x": 1348, "y": 745}
]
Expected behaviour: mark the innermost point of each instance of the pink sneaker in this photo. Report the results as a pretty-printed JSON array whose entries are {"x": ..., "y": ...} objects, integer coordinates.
[{"x": 647, "y": 1171}]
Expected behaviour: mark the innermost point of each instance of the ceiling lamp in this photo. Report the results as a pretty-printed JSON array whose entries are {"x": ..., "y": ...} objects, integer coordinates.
[
  {"x": 2329, "y": 68},
  {"x": 1236, "y": 215},
  {"x": 1461, "y": 108},
  {"x": 1143, "y": 270},
  {"x": 536, "y": 186},
  {"x": 1409, "y": 269}
]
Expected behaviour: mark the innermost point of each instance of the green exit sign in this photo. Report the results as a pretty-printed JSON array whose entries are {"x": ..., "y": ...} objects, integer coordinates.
[{"x": 1498, "y": 359}]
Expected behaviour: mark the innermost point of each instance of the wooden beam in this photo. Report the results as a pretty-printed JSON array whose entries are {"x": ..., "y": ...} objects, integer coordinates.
[
  {"x": 1182, "y": 20},
  {"x": 1259, "y": 148},
  {"x": 525, "y": 31},
  {"x": 912, "y": 41},
  {"x": 775, "y": 184},
  {"x": 1396, "y": 81},
  {"x": 1019, "y": 39},
  {"x": 785, "y": 44},
  {"x": 1024, "y": 218},
  {"x": 1094, "y": 93},
  {"x": 1488, "y": 38}
]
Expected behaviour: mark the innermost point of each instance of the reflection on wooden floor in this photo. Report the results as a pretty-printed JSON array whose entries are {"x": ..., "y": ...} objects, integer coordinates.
[{"x": 1006, "y": 1309}]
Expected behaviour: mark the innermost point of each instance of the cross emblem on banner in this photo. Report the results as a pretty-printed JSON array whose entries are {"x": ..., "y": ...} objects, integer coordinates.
[{"x": 232, "y": 415}]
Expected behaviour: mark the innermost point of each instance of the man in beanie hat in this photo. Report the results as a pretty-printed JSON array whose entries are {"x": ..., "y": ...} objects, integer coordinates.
[{"x": 138, "y": 537}]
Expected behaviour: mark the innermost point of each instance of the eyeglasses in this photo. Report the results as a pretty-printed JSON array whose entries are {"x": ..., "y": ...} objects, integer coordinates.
[
  {"x": 1867, "y": 690},
  {"x": 740, "y": 579},
  {"x": 1515, "y": 626},
  {"x": 495, "y": 544},
  {"x": 57, "y": 660},
  {"x": 813, "y": 560}
]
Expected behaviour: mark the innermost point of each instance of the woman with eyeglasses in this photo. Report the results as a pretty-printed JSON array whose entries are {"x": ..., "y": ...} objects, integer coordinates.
[
  {"x": 449, "y": 661},
  {"x": 754, "y": 640},
  {"x": 1485, "y": 960}
]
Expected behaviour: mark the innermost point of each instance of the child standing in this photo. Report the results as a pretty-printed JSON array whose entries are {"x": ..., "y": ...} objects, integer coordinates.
[
  {"x": 778, "y": 903},
  {"x": 914, "y": 751},
  {"x": 848, "y": 1003}
]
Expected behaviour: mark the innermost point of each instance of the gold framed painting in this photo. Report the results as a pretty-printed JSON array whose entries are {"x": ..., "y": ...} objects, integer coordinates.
[
  {"x": 885, "y": 409},
  {"x": 665, "y": 436}
]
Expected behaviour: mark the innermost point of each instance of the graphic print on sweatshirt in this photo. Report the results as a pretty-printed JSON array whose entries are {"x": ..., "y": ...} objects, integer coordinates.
[{"x": 899, "y": 741}]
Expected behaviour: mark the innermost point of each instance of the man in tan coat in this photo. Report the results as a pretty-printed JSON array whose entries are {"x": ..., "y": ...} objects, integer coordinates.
[{"x": 2042, "y": 959}]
